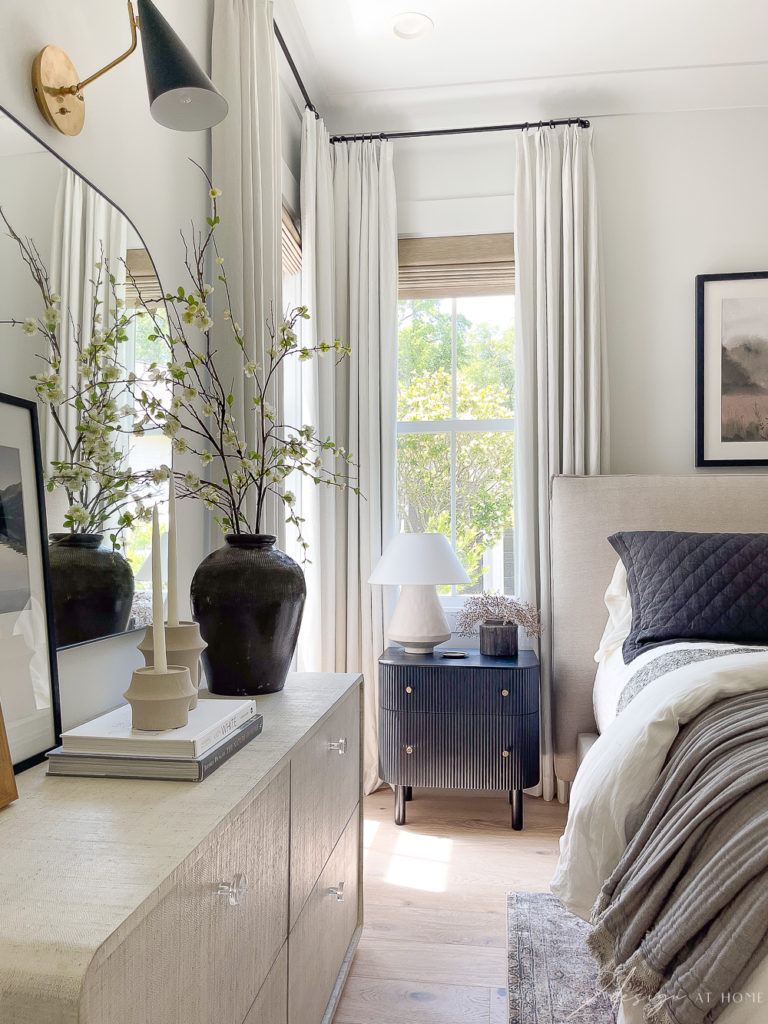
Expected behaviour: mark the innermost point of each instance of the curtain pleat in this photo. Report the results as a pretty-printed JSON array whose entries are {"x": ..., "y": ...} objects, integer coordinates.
[
  {"x": 349, "y": 283},
  {"x": 561, "y": 415},
  {"x": 86, "y": 230},
  {"x": 247, "y": 168}
]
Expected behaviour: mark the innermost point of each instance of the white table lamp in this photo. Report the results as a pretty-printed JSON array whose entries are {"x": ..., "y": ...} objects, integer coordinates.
[{"x": 418, "y": 562}]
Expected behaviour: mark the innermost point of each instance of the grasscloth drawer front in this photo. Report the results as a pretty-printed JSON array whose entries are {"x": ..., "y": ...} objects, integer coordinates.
[
  {"x": 322, "y": 934},
  {"x": 271, "y": 1006},
  {"x": 459, "y": 751},
  {"x": 325, "y": 787},
  {"x": 196, "y": 958},
  {"x": 451, "y": 692}
]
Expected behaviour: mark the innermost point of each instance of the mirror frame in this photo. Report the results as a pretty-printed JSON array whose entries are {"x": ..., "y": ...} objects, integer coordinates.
[{"x": 105, "y": 197}]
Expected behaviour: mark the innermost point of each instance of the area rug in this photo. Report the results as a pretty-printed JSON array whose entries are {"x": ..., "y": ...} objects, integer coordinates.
[{"x": 552, "y": 976}]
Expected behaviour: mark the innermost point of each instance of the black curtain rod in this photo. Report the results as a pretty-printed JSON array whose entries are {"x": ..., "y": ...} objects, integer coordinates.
[
  {"x": 294, "y": 69},
  {"x": 580, "y": 121}
]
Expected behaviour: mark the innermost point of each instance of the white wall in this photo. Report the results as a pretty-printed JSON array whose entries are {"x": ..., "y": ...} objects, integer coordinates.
[
  {"x": 681, "y": 194},
  {"x": 145, "y": 170}
]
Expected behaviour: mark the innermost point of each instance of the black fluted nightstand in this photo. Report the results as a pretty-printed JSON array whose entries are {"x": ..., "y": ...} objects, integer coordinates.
[{"x": 469, "y": 723}]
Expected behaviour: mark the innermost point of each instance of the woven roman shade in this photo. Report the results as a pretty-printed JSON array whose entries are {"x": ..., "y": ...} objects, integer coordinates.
[
  {"x": 456, "y": 265},
  {"x": 141, "y": 279},
  {"x": 291, "y": 240}
]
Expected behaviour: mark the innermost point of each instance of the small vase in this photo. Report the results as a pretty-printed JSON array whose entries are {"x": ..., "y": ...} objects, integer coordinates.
[
  {"x": 184, "y": 646},
  {"x": 91, "y": 586},
  {"x": 498, "y": 639},
  {"x": 248, "y": 599}
]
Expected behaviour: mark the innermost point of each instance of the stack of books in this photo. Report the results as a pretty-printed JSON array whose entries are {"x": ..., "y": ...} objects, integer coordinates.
[{"x": 109, "y": 748}]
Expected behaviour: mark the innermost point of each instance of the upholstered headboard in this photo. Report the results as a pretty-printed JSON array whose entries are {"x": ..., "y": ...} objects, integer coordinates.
[{"x": 585, "y": 511}]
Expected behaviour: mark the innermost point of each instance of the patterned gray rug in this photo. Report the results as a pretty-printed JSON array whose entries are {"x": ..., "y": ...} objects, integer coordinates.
[{"x": 552, "y": 975}]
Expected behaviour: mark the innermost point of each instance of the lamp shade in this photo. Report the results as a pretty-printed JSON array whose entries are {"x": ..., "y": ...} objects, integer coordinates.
[
  {"x": 181, "y": 95},
  {"x": 419, "y": 558}
]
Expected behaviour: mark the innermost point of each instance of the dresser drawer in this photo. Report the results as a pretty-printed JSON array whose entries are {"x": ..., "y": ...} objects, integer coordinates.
[
  {"x": 271, "y": 1006},
  {"x": 459, "y": 751},
  {"x": 322, "y": 934},
  {"x": 454, "y": 690},
  {"x": 195, "y": 958},
  {"x": 325, "y": 787}
]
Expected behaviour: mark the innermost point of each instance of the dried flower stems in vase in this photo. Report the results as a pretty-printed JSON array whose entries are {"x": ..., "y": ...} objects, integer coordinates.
[{"x": 496, "y": 618}]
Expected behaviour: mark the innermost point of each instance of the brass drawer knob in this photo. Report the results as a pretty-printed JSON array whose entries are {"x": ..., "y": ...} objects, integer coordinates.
[
  {"x": 409, "y": 689},
  {"x": 505, "y": 753},
  {"x": 409, "y": 750},
  {"x": 505, "y": 693}
]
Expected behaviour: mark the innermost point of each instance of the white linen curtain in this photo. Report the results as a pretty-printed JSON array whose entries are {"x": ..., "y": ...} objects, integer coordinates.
[
  {"x": 561, "y": 415},
  {"x": 247, "y": 168},
  {"x": 86, "y": 230},
  {"x": 349, "y": 283}
]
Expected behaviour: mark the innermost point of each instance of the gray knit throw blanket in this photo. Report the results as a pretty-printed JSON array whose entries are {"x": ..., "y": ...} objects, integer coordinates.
[{"x": 683, "y": 920}]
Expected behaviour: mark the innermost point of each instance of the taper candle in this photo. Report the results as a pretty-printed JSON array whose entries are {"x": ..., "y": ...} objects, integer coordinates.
[
  {"x": 158, "y": 628},
  {"x": 173, "y": 574}
]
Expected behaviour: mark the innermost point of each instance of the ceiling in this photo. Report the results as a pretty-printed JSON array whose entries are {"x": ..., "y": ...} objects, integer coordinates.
[{"x": 525, "y": 59}]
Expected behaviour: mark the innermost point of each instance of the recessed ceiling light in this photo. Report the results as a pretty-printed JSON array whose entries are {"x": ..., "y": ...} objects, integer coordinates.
[{"x": 412, "y": 25}]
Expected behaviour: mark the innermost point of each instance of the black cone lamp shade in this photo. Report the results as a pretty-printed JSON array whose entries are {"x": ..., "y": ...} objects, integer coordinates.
[{"x": 181, "y": 95}]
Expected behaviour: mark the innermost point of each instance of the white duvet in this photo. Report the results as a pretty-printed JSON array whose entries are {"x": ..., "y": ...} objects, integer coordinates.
[{"x": 620, "y": 769}]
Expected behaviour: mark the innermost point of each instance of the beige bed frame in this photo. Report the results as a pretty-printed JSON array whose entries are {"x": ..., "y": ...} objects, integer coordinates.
[{"x": 584, "y": 512}]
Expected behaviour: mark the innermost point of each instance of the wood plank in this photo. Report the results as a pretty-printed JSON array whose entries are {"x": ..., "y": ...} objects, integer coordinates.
[
  {"x": 433, "y": 950},
  {"x": 398, "y": 1002}
]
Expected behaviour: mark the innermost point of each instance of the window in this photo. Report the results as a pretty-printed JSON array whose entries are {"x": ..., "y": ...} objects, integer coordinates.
[{"x": 455, "y": 430}]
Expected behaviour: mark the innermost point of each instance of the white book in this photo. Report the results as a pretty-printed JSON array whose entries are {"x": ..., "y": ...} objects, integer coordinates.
[{"x": 208, "y": 724}]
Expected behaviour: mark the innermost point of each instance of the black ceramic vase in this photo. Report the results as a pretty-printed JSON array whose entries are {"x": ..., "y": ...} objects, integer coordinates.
[
  {"x": 498, "y": 639},
  {"x": 248, "y": 599},
  {"x": 91, "y": 585}
]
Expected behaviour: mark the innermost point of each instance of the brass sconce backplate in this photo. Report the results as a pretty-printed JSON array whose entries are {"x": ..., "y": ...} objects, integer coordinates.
[{"x": 53, "y": 73}]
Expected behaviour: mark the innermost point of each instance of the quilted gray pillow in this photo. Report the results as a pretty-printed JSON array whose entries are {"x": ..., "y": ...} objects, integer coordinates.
[{"x": 694, "y": 586}]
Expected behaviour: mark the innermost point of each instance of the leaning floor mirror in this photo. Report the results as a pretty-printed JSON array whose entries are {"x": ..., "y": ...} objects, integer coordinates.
[{"x": 78, "y": 296}]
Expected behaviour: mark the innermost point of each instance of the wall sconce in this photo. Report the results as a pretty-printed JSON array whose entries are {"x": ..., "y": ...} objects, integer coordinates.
[{"x": 181, "y": 95}]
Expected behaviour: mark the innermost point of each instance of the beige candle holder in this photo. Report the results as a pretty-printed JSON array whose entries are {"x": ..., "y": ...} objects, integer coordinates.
[
  {"x": 160, "y": 700},
  {"x": 184, "y": 645}
]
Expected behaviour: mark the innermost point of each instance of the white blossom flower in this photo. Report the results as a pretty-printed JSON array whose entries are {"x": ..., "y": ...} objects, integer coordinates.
[
  {"x": 205, "y": 458},
  {"x": 192, "y": 481},
  {"x": 214, "y": 193},
  {"x": 79, "y": 515},
  {"x": 179, "y": 444},
  {"x": 207, "y": 409},
  {"x": 220, "y": 260},
  {"x": 30, "y": 326},
  {"x": 251, "y": 368}
]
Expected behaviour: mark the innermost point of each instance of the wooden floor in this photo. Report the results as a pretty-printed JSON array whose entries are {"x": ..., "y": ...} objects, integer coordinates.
[{"x": 433, "y": 950}]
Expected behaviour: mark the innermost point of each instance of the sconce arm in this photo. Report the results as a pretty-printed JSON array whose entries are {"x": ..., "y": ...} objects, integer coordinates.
[{"x": 74, "y": 89}]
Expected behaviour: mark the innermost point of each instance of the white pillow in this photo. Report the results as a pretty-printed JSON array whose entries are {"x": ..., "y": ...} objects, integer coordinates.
[{"x": 619, "y": 605}]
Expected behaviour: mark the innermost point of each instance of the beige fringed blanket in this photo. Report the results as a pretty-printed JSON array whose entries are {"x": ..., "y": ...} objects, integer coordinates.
[{"x": 683, "y": 919}]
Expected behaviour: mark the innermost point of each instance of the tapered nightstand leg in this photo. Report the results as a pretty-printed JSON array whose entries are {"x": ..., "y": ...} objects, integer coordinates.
[
  {"x": 409, "y": 792},
  {"x": 400, "y": 805},
  {"x": 516, "y": 799}
]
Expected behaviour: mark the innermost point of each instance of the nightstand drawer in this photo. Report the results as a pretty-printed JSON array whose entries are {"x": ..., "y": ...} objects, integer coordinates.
[
  {"x": 459, "y": 751},
  {"x": 455, "y": 691}
]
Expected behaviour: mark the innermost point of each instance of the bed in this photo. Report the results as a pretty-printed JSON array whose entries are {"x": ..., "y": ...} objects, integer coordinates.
[{"x": 585, "y": 512}]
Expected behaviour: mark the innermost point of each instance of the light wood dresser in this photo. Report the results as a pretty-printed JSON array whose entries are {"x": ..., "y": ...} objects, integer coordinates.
[{"x": 238, "y": 899}]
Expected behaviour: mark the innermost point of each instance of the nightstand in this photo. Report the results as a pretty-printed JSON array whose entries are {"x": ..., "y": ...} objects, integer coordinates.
[{"x": 469, "y": 723}]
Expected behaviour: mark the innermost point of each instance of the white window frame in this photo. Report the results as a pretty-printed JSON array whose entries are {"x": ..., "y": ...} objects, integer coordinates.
[{"x": 453, "y": 426}]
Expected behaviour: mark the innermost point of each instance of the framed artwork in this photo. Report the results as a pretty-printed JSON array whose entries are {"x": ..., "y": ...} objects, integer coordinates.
[
  {"x": 8, "y": 791},
  {"x": 732, "y": 369},
  {"x": 29, "y": 694}
]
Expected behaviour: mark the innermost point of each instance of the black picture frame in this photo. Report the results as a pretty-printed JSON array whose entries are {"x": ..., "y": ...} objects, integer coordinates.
[
  {"x": 713, "y": 447},
  {"x": 35, "y": 640}
]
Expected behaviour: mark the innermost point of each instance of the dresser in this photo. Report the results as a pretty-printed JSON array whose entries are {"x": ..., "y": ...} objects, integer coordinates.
[
  {"x": 238, "y": 899},
  {"x": 469, "y": 723}
]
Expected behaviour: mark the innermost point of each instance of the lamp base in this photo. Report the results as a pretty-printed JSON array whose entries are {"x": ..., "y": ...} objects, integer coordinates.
[{"x": 418, "y": 621}]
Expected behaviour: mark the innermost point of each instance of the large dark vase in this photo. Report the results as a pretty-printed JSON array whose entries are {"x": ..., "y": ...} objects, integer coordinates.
[
  {"x": 92, "y": 588},
  {"x": 248, "y": 599}
]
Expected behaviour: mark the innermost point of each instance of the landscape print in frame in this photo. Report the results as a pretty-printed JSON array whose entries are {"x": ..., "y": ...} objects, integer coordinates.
[
  {"x": 732, "y": 369},
  {"x": 28, "y": 684}
]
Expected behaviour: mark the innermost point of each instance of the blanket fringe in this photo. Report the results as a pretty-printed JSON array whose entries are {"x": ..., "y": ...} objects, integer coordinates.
[{"x": 601, "y": 945}]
